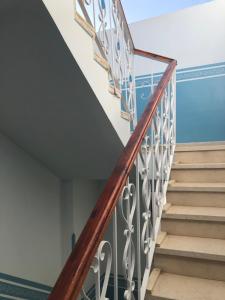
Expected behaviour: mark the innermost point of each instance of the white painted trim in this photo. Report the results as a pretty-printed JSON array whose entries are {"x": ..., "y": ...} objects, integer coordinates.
[
  {"x": 200, "y": 69},
  {"x": 201, "y": 78}
]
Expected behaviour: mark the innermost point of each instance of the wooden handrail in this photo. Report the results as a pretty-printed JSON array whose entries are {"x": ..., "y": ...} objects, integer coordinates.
[
  {"x": 153, "y": 56},
  {"x": 71, "y": 279}
]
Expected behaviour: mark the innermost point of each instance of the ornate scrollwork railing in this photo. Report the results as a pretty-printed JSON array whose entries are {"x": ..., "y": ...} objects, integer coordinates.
[
  {"x": 113, "y": 43},
  {"x": 153, "y": 163},
  {"x": 127, "y": 207},
  {"x": 117, "y": 244},
  {"x": 118, "y": 241}
]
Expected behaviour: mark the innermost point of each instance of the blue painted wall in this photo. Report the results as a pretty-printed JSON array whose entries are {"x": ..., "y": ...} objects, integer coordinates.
[
  {"x": 200, "y": 102},
  {"x": 14, "y": 288}
]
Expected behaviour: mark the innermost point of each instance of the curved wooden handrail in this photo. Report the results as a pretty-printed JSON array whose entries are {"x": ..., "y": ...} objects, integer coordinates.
[
  {"x": 70, "y": 281},
  {"x": 153, "y": 56}
]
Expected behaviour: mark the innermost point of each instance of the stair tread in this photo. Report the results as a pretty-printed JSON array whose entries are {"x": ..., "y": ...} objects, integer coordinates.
[
  {"x": 198, "y": 166},
  {"x": 196, "y": 213},
  {"x": 195, "y": 247},
  {"x": 197, "y": 186},
  {"x": 200, "y": 147},
  {"x": 179, "y": 287}
]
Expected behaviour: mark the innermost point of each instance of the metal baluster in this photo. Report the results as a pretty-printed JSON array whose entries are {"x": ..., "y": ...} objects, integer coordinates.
[
  {"x": 112, "y": 55},
  {"x": 94, "y": 17},
  {"x": 166, "y": 136},
  {"x": 162, "y": 147},
  {"x": 115, "y": 255},
  {"x": 169, "y": 122},
  {"x": 174, "y": 108},
  {"x": 154, "y": 212},
  {"x": 146, "y": 198},
  {"x": 157, "y": 159},
  {"x": 129, "y": 196},
  {"x": 152, "y": 82},
  {"x": 96, "y": 266},
  {"x": 135, "y": 120},
  {"x": 138, "y": 216}
]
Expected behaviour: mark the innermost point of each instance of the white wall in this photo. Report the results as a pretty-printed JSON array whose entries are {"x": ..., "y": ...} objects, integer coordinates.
[
  {"x": 66, "y": 218},
  {"x": 78, "y": 198},
  {"x": 86, "y": 193},
  {"x": 38, "y": 215},
  {"x": 29, "y": 217},
  {"x": 81, "y": 46},
  {"x": 194, "y": 36}
]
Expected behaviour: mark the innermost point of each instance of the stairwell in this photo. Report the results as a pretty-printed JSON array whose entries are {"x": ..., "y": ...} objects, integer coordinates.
[{"x": 189, "y": 261}]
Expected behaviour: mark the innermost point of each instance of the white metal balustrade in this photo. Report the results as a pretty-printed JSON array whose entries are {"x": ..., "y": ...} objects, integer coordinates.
[
  {"x": 124, "y": 256},
  {"x": 140, "y": 208},
  {"x": 112, "y": 42}
]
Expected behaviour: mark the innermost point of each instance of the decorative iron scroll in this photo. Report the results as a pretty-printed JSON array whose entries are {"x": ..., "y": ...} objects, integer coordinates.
[
  {"x": 140, "y": 203},
  {"x": 114, "y": 43},
  {"x": 127, "y": 208},
  {"x": 146, "y": 156}
]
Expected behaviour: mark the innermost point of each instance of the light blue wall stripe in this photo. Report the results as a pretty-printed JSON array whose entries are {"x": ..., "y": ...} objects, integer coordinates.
[
  {"x": 21, "y": 292},
  {"x": 12, "y": 287},
  {"x": 200, "y": 102},
  {"x": 4, "y": 298},
  {"x": 25, "y": 282}
]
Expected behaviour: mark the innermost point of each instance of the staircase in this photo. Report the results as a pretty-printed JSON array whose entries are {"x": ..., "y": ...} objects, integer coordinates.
[
  {"x": 113, "y": 254},
  {"x": 62, "y": 88},
  {"x": 189, "y": 262}
]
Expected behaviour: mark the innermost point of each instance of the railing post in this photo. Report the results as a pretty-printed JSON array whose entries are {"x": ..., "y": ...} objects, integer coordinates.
[
  {"x": 115, "y": 255},
  {"x": 138, "y": 216}
]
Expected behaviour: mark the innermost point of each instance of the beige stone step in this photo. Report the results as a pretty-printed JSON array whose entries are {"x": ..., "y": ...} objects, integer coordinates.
[
  {"x": 199, "y": 213},
  {"x": 216, "y": 187},
  {"x": 85, "y": 25},
  {"x": 213, "y": 172},
  {"x": 201, "y": 166},
  {"x": 206, "y": 222},
  {"x": 213, "y": 156},
  {"x": 196, "y": 199},
  {"x": 194, "y": 228},
  {"x": 101, "y": 61},
  {"x": 191, "y": 256},
  {"x": 193, "y": 247},
  {"x": 178, "y": 287},
  {"x": 200, "y": 153},
  {"x": 181, "y": 265},
  {"x": 205, "y": 146},
  {"x": 196, "y": 194},
  {"x": 125, "y": 115}
]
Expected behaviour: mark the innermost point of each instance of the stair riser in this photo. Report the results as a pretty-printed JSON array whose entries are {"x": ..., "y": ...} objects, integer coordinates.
[
  {"x": 198, "y": 175},
  {"x": 200, "y": 156},
  {"x": 194, "y": 228},
  {"x": 150, "y": 297},
  {"x": 196, "y": 199},
  {"x": 190, "y": 267}
]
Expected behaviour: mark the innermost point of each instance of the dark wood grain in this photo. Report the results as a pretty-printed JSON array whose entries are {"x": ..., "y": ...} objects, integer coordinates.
[{"x": 70, "y": 281}]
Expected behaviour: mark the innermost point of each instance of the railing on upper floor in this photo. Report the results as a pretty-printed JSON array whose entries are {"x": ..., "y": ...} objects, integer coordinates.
[
  {"x": 120, "y": 235},
  {"x": 112, "y": 42}
]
